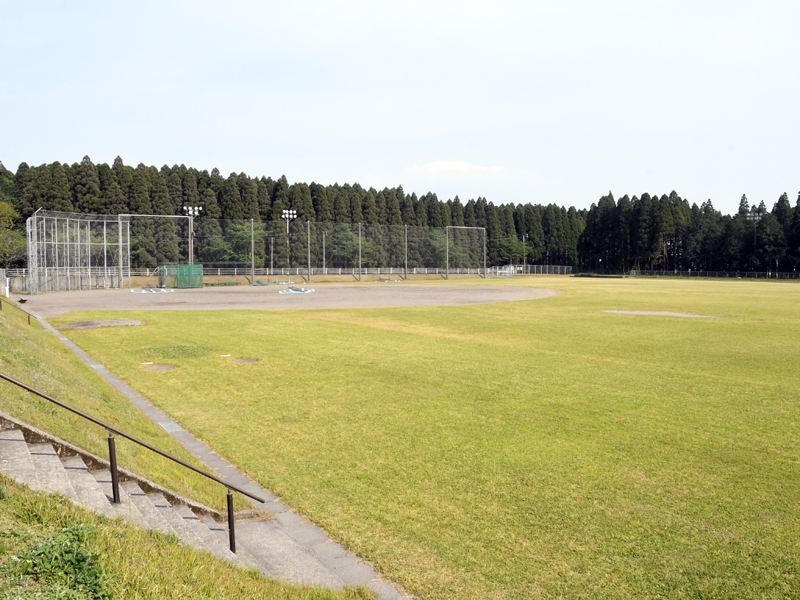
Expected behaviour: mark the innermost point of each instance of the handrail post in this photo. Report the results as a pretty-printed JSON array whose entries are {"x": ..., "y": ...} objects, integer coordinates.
[
  {"x": 112, "y": 458},
  {"x": 231, "y": 531}
]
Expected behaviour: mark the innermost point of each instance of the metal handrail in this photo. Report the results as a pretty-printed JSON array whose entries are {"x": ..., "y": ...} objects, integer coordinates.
[
  {"x": 19, "y": 308},
  {"x": 113, "y": 455}
]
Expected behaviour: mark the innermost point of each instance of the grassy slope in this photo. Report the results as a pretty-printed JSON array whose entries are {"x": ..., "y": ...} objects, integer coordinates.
[
  {"x": 141, "y": 564},
  {"x": 538, "y": 448},
  {"x": 36, "y": 357}
]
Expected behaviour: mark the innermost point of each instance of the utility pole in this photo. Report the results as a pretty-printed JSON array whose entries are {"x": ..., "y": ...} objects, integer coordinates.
[
  {"x": 308, "y": 237},
  {"x": 406, "y": 250},
  {"x": 324, "y": 233},
  {"x": 524, "y": 254}
]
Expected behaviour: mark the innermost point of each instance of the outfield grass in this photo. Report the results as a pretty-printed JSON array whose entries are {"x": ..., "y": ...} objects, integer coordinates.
[{"x": 529, "y": 449}]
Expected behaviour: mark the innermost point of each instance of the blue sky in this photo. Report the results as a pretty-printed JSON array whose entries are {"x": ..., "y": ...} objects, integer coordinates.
[{"x": 518, "y": 102}]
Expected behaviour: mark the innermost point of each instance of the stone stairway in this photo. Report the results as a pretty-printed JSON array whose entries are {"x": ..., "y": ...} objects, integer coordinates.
[{"x": 261, "y": 544}]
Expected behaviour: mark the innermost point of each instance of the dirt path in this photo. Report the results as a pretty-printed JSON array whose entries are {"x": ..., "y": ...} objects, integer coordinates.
[{"x": 378, "y": 295}]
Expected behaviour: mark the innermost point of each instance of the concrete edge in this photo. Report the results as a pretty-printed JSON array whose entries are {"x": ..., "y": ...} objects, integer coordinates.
[{"x": 64, "y": 449}]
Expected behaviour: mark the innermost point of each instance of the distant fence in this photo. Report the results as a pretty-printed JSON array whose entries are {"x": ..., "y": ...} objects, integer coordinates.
[
  {"x": 511, "y": 270},
  {"x": 722, "y": 274}
]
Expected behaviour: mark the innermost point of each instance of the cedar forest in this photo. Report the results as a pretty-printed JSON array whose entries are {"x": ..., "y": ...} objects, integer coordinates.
[{"x": 640, "y": 232}]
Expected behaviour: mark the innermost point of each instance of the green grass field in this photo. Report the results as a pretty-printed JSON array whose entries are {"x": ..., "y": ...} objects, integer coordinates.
[{"x": 529, "y": 449}]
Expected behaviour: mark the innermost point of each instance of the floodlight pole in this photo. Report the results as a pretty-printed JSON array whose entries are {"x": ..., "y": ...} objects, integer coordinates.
[
  {"x": 754, "y": 217},
  {"x": 271, "y": 245},
  {"x": 191, "y": 213},
  {"x": 359, "y": 251},
  {"x": 287, "y": 215},
  {"x": 252, "y": 254}
]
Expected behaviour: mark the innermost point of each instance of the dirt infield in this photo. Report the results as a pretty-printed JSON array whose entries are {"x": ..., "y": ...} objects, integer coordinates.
[
  {"x": 660, "y": 313},
  {"x": 96, "y": 324},
  {"x": 379, "y": 295}
]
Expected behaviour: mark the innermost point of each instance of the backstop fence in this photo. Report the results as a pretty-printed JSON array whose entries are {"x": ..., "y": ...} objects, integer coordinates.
[{"x": 73, "y": 251}]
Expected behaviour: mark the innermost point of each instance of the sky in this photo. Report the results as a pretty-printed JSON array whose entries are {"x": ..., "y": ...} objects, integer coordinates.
[{"x": 540, "y": 101}]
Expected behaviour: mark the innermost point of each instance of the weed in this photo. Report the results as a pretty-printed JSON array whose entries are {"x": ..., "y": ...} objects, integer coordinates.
[{"x": 62, "y": 559}]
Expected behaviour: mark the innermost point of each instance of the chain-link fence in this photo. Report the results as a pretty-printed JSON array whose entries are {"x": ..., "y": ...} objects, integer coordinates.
[{"x": 71, "y": 251}]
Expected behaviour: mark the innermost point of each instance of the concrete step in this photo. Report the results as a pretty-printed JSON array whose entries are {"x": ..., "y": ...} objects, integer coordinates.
[
  {"x": 125, "y": 509},
  {"x": 176, "y": 521},
  {"x": 146, "y": 507},
  {"x": 215, "y": 546},
  {"x": 243, "y": 556},
  {"x": 281, "y": 557},
  {"x": 15, "y": 459},
  {"x": 85, "y": 486},
  {"x": 52, "y": 476}
]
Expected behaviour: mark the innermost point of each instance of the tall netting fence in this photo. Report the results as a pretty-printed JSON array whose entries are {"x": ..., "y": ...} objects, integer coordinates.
[
  {"x": 72, "y": 251},
  {"x": 68, "y": 251},
  {"x": 75, "y": 251}
]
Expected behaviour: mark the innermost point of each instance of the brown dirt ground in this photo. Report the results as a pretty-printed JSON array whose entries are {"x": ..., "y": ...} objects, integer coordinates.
[
  {"x": 326, "y": 296},
  {"x": 658, "y": 313},
  {"x": 96, "y": 324}
]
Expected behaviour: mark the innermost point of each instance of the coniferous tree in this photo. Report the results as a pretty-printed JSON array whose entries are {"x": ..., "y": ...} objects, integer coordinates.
[
  {"x": 86, "y": 188},
  {"x": 59, "y": 197},
  {"x": 264, "y": 198},
  {"x": 302, "y": 203},
  {"x": 175, "y": 191},
  {"x": 140, "y": 192},
  {"x": 230, "y": 202},
  {"x": 457, "y": 212},
  {"x": 248, "y": 190},
  {"x": 356, "y": 215},
  {"x": 406, "y": 207},
  {"x": 370, "y": 208},
  {"x": 341, "y": 205},
  {"x": 24, "y": 190},
  {"x": 190, "y": 195}
]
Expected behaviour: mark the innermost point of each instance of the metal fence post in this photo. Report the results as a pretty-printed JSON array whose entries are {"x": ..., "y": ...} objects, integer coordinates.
[
  {"x": 406, "y": 251},
  {"x": 447, "y": 252},
  {"x": 484, "y": 254},
  {"x": 231, "y": 531},
  {"x": 112, "y": 458}
]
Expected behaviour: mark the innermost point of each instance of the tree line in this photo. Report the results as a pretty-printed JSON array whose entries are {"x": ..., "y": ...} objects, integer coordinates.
[
  {"x": 646, "y": 232},
  {"x": 550, "y": 232},
  {"x": 666, "y": 233}
]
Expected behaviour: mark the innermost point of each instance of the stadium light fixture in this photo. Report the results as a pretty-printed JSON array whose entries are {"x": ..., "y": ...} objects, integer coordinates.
[
  {"x": 754, "y": 217},
  {"x": 192, "y": 211},
  {"x": 288, "y": 214}
]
